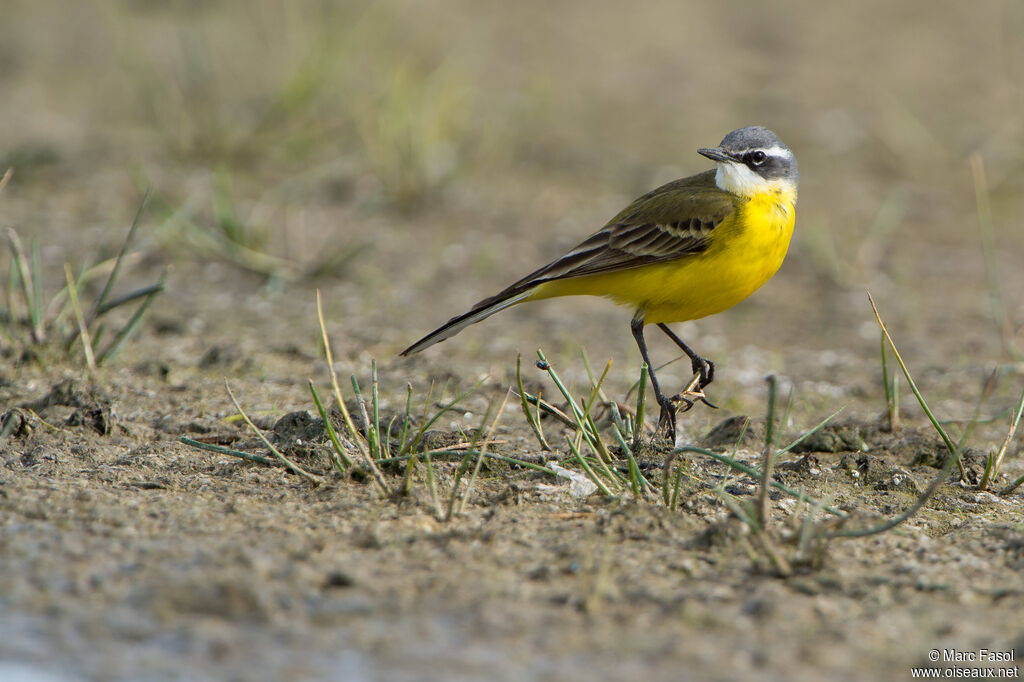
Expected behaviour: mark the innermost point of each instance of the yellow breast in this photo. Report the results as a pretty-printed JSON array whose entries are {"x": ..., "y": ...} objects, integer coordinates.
[{"x": 746, "y": 250}]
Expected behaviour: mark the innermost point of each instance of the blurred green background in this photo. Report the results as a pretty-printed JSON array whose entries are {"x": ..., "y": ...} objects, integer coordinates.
[{"x": 421, "y": 155}]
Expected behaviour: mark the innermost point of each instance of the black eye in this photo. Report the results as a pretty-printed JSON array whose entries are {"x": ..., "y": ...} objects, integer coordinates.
[{"x": 757, "y": 158}]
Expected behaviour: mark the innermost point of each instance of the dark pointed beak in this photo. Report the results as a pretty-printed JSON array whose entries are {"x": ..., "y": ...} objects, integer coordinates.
[{"x": 715, "y": 154}]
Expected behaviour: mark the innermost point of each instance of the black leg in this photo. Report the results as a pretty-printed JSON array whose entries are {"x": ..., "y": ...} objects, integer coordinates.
[
  {"x": 701, "y": 366},
  {"x": 668, "y": 408}
]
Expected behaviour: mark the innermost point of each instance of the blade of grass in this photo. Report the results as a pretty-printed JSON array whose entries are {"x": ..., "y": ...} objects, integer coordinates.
[
  {"x": 532, "y": 419},
  {"x": 763, "y": 511},
  {"x": 613, "y": 410},
  {"x": 986, "y": 231},
  {"x": 638, "y": 483},
  {"x": 593, "y": 440},
  {"x": 386, "y": 443},
  {"x": 986, "y": 393},
  {"x": 353, "y": 432},
  {"x": 596, "y": 388},
  {"x": 90, "y": 359},
  {"x": 131, "y": 296},
  {"x": 372, "y": 439},
  {"x": 636, "y": 384},
  {"x": 37, "y": 286},
  {"x": 483, "y": 451},
  {"x": 27, "y": 284},
  {"x": 432, "y": 486},
  {"x": 57, "y": 307},
  {"x": 453, "y": 450},
  {"x": 340, "y": 457},
  {"x": 406, "y": 420},
  {"x": 12, "y": 286},
  {"x": 108, "y": 286},
  {"x": 228, "y": 451},
  {"x": 623, "y": 426},
  {"x": 913, "y": 386},
  {"x": 460, "y": 471},
  {"x": 550, "y": 409},
  {"x": 591, "y": 474},
  {"x": 357, "y": 438},
  {"x": 133, "y": 323},
  {"x": 1013, "y": 486},
  {"x": 891, "y": 386},
  {"x": 818, "y": 427},
  {"x": 410, "y": 467},
  {"x": 672, "y": 499},
  {"x": 996, "y": 461},
  {"x": 427, "y": 423},
  {"x": 641, "y": 402},
  {"x": 375, "y": 402},
  {"x": 315, "y": 480}
]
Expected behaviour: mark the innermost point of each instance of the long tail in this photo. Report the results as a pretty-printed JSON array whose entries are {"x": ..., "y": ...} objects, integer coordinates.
[{"x": 480, "y": 311}]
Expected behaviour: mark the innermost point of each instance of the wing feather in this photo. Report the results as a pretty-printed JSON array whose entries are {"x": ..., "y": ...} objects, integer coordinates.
[{"x": 671, "y": 222}]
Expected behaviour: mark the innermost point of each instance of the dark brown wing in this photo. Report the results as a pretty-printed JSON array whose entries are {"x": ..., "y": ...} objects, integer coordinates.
[
  {"x": 623, "y": 245},
  {"x": 670, "y": 222}
]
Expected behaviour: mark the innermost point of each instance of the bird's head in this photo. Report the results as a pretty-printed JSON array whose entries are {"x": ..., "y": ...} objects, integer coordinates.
[{"x": 753, "y": 160}]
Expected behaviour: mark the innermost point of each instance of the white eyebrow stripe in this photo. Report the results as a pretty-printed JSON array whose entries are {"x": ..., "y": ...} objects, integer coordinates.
[{"x": 779, "y": 152}]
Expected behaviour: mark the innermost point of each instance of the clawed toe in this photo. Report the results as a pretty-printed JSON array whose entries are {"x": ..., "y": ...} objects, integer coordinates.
[
  {"x": 690, "y": 397},
  {"x": 704, "y": 370}
]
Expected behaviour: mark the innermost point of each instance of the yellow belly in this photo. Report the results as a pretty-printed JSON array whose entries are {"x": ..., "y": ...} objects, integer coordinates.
[{"x": 745, "y": 251}]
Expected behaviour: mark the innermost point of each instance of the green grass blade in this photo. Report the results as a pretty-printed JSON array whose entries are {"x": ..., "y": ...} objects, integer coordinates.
[
  {"x": 129, "y": 297},
  {"x": 341, "y": 459},
  {"x": 90, "y": 359},
  {"x": 641, "y": 404},
  {"x": 406, "y": 420},
  {"x": 997, "y": 460},
  {"x": 532, "y": 419},
  {"x": 228, "y": 451},
  {"x": 375, "y": 404},
  {"x": 913, "y": 386},
  {"x": 108, "y": 286},
  {"x": 592, "y": 438},
  {"x": 133, "y": 323},
  {"x": 818, "y": 427},
  {"x": 598, "y": 481}
]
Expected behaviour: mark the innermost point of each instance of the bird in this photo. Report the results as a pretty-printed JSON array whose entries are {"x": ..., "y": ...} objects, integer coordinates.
[{"x": 689, "y": 249}]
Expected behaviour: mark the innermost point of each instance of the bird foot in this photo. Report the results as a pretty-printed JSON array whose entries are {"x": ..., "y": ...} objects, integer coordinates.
[
  {"x": 685, "y": 400},
  {"x": 694, "y": 392}
]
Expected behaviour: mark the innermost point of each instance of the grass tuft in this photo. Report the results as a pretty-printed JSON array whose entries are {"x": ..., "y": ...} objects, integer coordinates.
[{"x": 46, "y": 320}]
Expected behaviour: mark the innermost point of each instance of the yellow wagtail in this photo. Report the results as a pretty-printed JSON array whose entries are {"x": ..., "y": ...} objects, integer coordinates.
[{"x": 686, "y": 250}]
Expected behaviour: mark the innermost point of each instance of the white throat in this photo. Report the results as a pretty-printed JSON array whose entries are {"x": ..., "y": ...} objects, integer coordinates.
[{"x": 737, "y": 178}]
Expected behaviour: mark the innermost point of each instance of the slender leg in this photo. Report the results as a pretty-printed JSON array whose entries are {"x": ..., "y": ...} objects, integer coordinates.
[
  {"x": 668, "y": 408},
  {"x": 705, "y": 368}
]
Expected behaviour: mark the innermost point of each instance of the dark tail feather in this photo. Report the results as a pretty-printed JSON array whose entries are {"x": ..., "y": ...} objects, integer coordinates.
[{"x": 480, "y": 311}]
